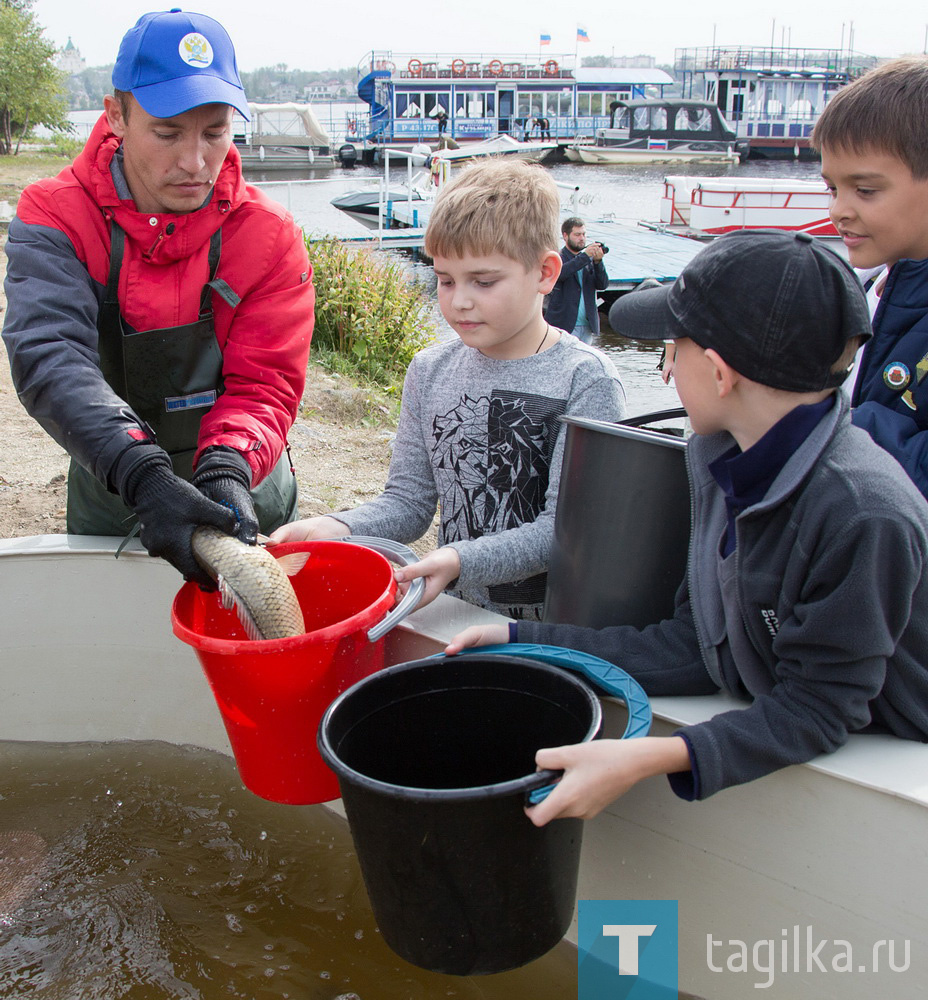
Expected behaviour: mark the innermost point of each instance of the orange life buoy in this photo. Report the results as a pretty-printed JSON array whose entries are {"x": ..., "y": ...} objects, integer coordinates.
[
  {"x": 457, "y": 67},
  {"x": 551, "y": 67},
  {"x": 495, "y": 67},
  {"x": 414, "y": 67}
]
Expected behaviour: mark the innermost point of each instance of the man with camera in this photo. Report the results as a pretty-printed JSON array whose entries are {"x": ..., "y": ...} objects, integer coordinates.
[{"x": 572, "y": 302}]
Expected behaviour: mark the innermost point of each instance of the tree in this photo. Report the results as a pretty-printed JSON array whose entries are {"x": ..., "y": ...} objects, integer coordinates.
[{"x": 31, "y": 87}]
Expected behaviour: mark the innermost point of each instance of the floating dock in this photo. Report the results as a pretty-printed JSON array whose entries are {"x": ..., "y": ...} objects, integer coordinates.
[{"x": 634, "y": 254}]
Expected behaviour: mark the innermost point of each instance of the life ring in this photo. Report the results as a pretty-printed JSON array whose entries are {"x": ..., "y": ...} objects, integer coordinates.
[
  {"x": 458, "y": 66},
  {"x": 415, "y": 67},
  {"x": 551, "y": 67},
  {"x": 352, "y": 126},
  {"x": 495, "y": 67}
]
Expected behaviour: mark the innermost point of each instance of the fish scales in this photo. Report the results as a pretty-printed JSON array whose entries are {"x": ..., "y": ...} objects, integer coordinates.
[{"x": 252, "y": 581}]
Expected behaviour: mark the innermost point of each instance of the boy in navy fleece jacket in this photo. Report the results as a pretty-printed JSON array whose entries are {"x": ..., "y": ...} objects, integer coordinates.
[{"x": 806, "y": 591}]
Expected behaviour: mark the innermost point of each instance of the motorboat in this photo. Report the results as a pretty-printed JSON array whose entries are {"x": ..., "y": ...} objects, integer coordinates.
[
  {"x": 710, "y": 206},
  {"x": 663, "y": 131},
  {"x": 783, "y": 883},
  {"x": 499, "y": 146}
]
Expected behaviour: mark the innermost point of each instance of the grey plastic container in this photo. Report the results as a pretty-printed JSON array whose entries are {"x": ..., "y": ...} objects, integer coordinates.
[{"x": 622, "y": 527}]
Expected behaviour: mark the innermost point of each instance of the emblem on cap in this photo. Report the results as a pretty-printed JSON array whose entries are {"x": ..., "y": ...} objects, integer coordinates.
[
  {"x": 195, "y": 50},
  {"x": 896, "y": 375}
]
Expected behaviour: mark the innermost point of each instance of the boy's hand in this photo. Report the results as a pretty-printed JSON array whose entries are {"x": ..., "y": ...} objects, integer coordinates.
[
  {"x": 478, "y": 635},
  {"x": 439, "y": 568},
  {"x": 600, "y": 771},
  {"x": 309, "y": 529}
]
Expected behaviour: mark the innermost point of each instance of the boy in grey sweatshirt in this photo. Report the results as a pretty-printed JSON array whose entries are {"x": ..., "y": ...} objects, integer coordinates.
[{"x": 480, "y": 437}]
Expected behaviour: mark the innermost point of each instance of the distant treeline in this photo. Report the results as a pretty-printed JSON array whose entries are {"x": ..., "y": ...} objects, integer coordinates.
[{"x": 270, "y": 83}]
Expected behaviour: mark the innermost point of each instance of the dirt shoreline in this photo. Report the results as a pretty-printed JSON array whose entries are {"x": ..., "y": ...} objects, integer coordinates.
[{"x": 339, "y": 461}]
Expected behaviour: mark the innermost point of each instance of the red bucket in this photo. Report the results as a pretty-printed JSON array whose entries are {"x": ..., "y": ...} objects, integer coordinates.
[{"x": 272, "y": 693}]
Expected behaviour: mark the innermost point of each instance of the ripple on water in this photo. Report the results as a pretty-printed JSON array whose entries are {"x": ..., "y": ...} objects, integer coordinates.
[{"x": 146, "y": 871}]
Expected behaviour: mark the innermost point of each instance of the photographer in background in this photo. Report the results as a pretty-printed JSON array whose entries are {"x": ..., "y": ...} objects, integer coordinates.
[{"x": 572, "y": 302}]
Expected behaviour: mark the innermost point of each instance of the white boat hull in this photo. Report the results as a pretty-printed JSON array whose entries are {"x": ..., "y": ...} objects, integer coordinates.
[
  {"x": 619, "y": 154},
  {"x": 833, "y": 851},
  {"x": 716, "y": 205}
]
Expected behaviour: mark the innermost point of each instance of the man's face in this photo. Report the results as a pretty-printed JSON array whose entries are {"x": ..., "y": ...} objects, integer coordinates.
[
  {"x": 171, "y": 164},
  {"x": 877, "y": 206},
  {"x": 576, "y": 239}
]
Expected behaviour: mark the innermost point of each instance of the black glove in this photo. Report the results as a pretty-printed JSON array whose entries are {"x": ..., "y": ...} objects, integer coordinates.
[
  {"x": 224, "y": 476},
  {"x": 169, "y": 509}
]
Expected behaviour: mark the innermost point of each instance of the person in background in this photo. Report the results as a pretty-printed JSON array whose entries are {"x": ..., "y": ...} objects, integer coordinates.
[
  {"x": 159, "y": 311},
  {"x": 806, "y": 591},
  {"x": 480, "y": 436},
  {"x": 572, "y": 302},
  {"x": 873, "y": 140}
]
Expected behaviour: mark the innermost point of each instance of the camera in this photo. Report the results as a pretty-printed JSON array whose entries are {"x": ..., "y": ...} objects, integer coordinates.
[{"x": 602, "y": 246}]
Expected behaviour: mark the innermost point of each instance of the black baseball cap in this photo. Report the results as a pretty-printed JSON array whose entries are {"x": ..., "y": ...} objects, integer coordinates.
[{"x": 778, "y": 307}]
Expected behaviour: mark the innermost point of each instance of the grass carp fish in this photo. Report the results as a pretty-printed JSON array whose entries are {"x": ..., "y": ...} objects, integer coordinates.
[{"x": 252, "y": 582}]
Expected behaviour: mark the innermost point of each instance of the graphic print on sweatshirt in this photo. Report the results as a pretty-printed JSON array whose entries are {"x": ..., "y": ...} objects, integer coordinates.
[{"x": 492, "y": 459}]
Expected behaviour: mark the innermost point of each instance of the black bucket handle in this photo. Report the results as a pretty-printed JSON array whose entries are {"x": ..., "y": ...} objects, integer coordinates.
[{"x": 652, "y": 418}]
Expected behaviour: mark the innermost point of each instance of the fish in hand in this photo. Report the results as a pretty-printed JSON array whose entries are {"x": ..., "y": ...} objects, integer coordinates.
[{"x": 252, "y": 582}]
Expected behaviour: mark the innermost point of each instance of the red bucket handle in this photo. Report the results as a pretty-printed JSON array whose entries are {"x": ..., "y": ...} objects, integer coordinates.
[{"x": 398, "y": 553}]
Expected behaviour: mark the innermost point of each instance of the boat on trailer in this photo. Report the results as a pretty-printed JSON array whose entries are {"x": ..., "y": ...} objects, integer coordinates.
[
  {"x": 704, "y": 207},
  {"x": 783, "y": 883},
  {"x": 662, "y": 131}
]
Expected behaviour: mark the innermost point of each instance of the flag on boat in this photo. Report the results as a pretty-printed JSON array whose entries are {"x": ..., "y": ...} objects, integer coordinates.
[
  {"x": 544, "y": 39},
  {"x": 582, "y": 35}
]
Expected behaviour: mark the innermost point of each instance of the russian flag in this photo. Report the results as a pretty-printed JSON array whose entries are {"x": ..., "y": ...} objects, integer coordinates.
[
  {"x": 582, "y": 36},
  {"x": 544, "y": 39}
]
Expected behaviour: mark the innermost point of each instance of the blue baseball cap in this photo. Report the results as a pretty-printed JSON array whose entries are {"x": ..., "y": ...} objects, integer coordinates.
[{"x": 172, "y": 61}]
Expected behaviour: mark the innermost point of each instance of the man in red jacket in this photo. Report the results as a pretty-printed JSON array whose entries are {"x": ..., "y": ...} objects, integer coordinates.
[{"x": 160, "y": 311}]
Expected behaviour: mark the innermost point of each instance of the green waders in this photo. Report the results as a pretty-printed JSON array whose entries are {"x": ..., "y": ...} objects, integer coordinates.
[{"x": 170, "y": 378}]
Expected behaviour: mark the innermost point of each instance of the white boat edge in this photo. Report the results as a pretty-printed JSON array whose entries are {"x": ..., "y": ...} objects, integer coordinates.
[{"x": 834, "y": 851}]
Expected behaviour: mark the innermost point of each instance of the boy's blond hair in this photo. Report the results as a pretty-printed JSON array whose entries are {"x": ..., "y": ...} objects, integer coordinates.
[
  {"x": 886, "y": 109},
  {"x": 496, "y": 206}
]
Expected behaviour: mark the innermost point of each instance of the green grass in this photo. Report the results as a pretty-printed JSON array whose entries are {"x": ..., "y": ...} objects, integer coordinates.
[{"x": 371, "y": 319}]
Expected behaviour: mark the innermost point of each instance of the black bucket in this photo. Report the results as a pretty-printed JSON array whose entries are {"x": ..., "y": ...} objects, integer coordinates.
[
  {"x": 622, "y": 527},
  {"x": 434, "y": 759}
]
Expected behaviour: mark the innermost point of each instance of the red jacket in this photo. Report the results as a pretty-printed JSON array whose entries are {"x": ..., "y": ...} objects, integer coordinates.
[{"x": 58, "y": 265}]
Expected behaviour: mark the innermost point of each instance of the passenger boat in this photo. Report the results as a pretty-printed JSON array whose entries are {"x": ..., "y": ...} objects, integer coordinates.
[
  {"x": 779, "y": 882},
  {"x": 662, "y": 131},
  {"x": 710, "y": 206},
  {"x": 773, "y": 95},
  {"x": 487, "y": 94}
]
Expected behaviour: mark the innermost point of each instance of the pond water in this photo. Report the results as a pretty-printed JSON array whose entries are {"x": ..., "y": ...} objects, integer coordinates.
[{"x": 145, "y": 871}]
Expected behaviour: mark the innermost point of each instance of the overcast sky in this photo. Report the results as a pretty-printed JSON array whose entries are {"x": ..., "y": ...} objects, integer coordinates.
[{"x": 321, "y": 35}]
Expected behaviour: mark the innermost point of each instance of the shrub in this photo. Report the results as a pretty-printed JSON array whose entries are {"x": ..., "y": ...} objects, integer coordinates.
[
  {"x": 64, "y": 145},
  {"x": 368, "y": 311}
]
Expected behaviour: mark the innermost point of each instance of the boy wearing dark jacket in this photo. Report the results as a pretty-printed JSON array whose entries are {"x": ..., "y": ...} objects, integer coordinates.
[
  {"x": 806, "y": 590},
  {"x": 873, "y": 138}
]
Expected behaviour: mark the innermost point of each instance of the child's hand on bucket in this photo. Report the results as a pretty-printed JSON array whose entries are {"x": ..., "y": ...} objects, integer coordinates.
[
  {"x": 478, "y": 635},
  {"x": 439, "y": 568},
  {"x": 309, "y": 529},
  {"x": 600, "y": 771}
]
